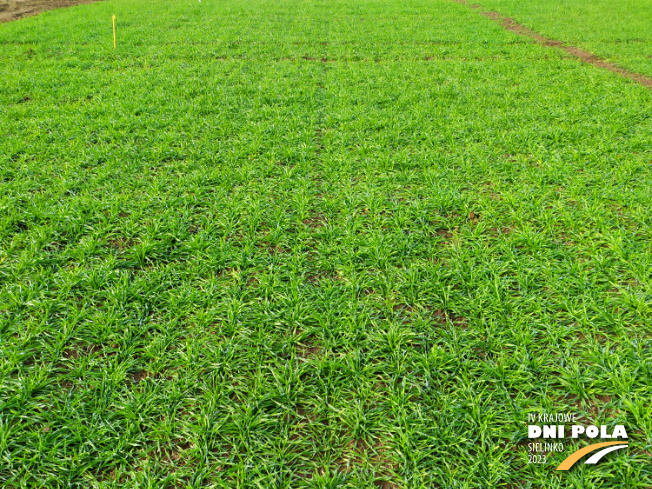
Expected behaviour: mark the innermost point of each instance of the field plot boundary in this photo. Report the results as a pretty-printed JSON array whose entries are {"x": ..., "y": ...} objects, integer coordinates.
[{"x": 585, "y": 56}]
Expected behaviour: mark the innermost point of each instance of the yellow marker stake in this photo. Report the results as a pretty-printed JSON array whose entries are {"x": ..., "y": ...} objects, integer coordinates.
[{"x": 114, "y": 47}]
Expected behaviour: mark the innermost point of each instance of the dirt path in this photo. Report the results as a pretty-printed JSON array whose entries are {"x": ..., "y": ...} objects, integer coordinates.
[
  {"x": 16, "y": 9},
  {"x": 582, "y": 55}
]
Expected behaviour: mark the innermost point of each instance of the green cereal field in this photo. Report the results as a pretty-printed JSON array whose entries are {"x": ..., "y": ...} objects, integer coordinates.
[{"x": 323, "y": 244}]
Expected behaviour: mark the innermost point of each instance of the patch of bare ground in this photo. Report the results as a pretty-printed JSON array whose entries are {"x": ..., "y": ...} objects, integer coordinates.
[
  {"x": 359, "y": 453},
  {"x": 494, "y": 231},
  {"x": 315, "y": 222},
  {"x": 308, "y": 347},
  {"x": 445, "y": 233},
  {"x": 121, "y": 243},
  {"x": 17, "y": 9},
  {"x": 139, "y": 376},
  {"x": 584, "y": 56}
]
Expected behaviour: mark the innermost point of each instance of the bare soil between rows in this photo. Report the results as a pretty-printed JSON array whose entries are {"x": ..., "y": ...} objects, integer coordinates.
[
  {"x": 17, "y": 9},
  {"x": 584, "y": 56}
]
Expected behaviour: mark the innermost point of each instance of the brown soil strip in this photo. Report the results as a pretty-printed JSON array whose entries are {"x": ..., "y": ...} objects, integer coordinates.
[
  {"x": 17, "y": 9},
  {"x": 584, "y": 56}
]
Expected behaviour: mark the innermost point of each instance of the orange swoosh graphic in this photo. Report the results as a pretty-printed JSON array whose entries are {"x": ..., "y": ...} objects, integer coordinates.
[{"x": 575, "y": 456}]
